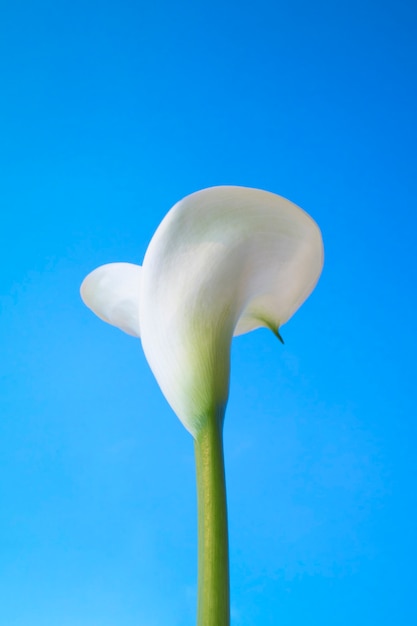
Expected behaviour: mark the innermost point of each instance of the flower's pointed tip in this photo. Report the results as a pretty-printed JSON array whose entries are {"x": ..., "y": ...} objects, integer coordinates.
[
  {"x": 276, "y": 332},
  {"x": 278, "y": 335}
]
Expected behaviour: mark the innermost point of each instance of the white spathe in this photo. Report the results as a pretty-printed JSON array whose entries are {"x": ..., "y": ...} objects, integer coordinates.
[{"x": 224, "y": 261}]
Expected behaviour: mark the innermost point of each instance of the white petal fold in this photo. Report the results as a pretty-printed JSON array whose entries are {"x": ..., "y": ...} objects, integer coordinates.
[
  {"x": 112, "y": 293},
  {"x": 224, "y": 261}
]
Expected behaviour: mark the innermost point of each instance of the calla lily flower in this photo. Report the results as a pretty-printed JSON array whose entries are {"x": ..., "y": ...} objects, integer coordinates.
[{"x": 224, "y": 261}]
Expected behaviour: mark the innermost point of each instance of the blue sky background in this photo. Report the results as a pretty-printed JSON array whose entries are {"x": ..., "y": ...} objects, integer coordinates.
[{"x": 111, "y": 112}]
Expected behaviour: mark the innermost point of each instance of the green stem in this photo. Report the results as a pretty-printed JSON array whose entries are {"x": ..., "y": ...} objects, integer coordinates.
[{"x": 213, "y": 555}]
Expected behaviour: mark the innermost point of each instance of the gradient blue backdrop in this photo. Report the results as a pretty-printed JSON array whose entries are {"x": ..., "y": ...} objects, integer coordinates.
[{"x": 111, "y": 112}]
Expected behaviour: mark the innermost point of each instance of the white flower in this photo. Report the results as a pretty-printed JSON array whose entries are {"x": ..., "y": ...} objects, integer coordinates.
[{"x": 224, "y": 261}]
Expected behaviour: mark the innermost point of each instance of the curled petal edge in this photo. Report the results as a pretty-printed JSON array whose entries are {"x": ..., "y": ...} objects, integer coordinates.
[{"x": 112, "y": 292}]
